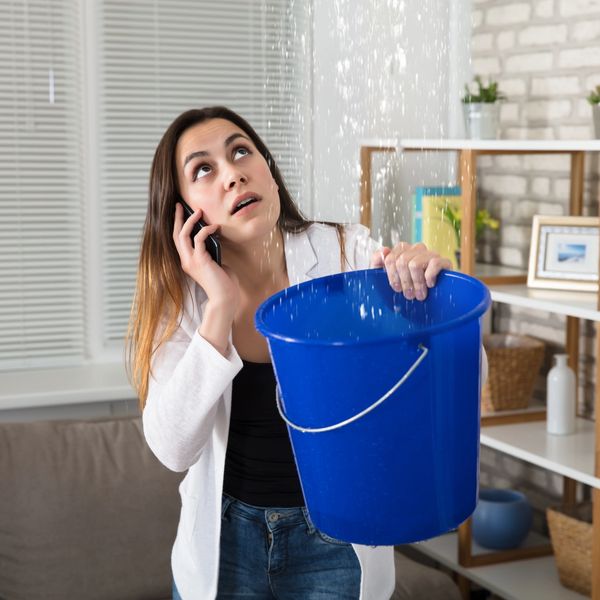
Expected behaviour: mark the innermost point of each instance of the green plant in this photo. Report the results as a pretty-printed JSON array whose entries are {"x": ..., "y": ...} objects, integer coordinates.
[
  {"x": 485, "y": 93},
  {"x": 483, "y": 219},
  {"x": 594, "y": 97}
]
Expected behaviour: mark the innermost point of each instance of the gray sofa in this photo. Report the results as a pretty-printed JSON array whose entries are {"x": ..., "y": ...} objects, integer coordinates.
[{"x": 87, "y": 512}]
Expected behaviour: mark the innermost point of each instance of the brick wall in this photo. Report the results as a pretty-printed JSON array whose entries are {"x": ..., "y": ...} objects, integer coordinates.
[{"x": 546, "y": 56}]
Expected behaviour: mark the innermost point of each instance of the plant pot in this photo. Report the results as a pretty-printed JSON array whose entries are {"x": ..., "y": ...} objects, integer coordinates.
[
  {"x": 596, "y": 113},
  {"x": 482, "y": 120},
  {"x": 502, "y": 519}
]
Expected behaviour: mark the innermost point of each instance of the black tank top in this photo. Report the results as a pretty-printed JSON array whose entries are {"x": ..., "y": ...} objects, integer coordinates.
[{"x": 259, "y": 465}]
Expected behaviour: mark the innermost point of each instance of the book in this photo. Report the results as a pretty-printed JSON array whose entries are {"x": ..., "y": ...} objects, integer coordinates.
[{"x": 428, "y": 223}]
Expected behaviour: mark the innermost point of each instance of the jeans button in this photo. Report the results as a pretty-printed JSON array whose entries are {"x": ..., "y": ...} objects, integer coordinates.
[{"x": 273, "y": 517}]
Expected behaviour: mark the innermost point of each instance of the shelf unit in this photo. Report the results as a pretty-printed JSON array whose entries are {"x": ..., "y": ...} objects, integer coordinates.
[
  {"x": 533, "y": 579},
  {"x": 520, "y": 434}
]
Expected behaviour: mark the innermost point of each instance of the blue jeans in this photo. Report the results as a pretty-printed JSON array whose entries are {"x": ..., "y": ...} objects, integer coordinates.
[{"x": 278, "y": 554}]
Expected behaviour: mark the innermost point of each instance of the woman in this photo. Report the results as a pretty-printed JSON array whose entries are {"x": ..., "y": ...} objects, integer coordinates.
[{"x": 203, "y": 372}]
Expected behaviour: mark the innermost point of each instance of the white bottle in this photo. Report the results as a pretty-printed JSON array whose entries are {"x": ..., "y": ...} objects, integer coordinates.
[{"x": 561, "y": 398}]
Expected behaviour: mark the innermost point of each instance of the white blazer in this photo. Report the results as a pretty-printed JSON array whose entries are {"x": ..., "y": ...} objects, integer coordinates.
[{"x": 186, "y": 421}]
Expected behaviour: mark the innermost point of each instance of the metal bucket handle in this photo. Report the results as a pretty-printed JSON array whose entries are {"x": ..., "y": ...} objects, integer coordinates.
[{"x": 420, "y": 359}]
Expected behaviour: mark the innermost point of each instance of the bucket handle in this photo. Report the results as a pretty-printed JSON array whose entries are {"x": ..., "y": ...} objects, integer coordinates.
[{"x": 420, "y": 359}]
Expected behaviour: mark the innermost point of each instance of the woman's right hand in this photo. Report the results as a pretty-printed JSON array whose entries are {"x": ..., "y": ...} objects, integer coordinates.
[{"x": 220, "y": 284}]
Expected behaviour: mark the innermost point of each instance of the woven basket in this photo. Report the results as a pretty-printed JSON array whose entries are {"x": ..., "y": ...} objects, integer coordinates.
[
  {"x": 571, "y": 535},
  {"x": 514, "y": 362}
]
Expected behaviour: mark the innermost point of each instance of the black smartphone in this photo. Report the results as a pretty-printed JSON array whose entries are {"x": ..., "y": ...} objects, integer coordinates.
[{"x": 213, "y": 247}]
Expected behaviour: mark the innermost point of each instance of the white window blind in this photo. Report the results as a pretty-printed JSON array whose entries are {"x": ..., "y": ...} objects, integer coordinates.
[
  {"x": 152, "y": 60},
  {"x": 41, "y": 207},
  {"x": 161, "y": 57}
]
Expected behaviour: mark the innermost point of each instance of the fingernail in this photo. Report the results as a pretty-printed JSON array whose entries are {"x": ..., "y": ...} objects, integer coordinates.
[{"x": 421, "y": 294}]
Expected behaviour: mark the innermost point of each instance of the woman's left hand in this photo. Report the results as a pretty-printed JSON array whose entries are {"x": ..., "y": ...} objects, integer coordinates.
[{"x": 411, "y": 268}]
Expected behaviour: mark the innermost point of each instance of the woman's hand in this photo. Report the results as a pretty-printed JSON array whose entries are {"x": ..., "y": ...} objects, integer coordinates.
[
  {"x": 411, "y": 268},
  {"x": 220, "y": 284}
]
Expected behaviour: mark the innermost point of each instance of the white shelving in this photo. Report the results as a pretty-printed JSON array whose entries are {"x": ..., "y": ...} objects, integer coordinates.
[
  {"x": 535, "y": 406},
  {"x": 531, "y": 579},
  {"x": 557, "y": 146},
  {"x": 571, "y": 456},
  {"x": 568, "y": 455},
  {"x": 486, "y": 270},
  {"x": 511, "y": 146},
  {"x": 574, "y": 304}
]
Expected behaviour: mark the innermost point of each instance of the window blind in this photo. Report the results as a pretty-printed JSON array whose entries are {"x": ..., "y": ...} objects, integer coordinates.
[
  {"x": 154, "y": 59},
  {"x": 41, "y": 212},
  {"x": 159, "y": 58}
]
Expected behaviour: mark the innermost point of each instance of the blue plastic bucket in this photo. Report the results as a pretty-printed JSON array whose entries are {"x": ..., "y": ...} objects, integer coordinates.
[{"x": 381, "y": 396}]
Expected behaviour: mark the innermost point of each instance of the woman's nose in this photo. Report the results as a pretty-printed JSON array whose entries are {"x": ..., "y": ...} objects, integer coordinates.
[{"x": 234, "y": 177}]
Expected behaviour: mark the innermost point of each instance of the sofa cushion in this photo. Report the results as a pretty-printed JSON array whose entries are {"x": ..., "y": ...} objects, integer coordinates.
[{"x": 86, "y": 511}]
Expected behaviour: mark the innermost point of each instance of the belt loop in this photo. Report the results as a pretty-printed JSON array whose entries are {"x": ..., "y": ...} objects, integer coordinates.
[
  {"x": 226, "y": 502},
  {"x": 309, "y": 523}
]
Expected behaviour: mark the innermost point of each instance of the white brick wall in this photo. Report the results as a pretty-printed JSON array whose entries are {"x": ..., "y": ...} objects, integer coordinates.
[
  {"x": 512, "y": 87},
  {"x": 540, "y": 186},
  {"x": 489, "y": 66},
  {"x": 506, "y": 40},
  {"x": 482, "y": 42},
  {"x": 588, "y": 56},
  {"x": 542, "y": 35},
  {"x": 586, "y": 31},
  {"x": 507, "y": 185},
  {"x": 579, "y": 8},
  {"x": 547, "y": 110},
  {"x": 546, "y": 56},
  {"x": 525, "y": 63},
  {"x": 508, "y": 15},
  {"x": 544, "y": 9},
  {"x": 555, "y": 86}
]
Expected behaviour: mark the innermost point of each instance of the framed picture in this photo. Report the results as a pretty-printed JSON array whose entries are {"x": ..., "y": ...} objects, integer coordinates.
[{"x": 564, "y": 253}]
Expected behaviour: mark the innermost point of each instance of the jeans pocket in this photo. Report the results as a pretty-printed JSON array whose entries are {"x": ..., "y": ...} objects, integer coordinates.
[
  {"x": 226, "y": 502},
  {"x": 329, "y": 540},
  {"x": 312, "y": 530}
]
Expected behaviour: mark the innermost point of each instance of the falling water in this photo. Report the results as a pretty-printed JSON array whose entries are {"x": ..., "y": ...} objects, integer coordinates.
[{"x": 379, "y": 71}]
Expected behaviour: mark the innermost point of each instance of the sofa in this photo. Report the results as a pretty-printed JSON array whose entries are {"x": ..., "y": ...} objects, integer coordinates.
[{"x": 87, "y": 512}]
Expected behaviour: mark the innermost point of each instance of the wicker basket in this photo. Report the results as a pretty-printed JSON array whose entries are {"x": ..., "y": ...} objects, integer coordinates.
[
  {"x": 514, "y": 362},
  {"x": 571, "y": 534}
]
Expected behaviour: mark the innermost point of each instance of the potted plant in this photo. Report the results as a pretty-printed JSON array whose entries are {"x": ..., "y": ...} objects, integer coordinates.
[
  {"x": 483, "y": 220},
  {"x": 481, "y": 109},
  {"x": 594, "y": 100}
]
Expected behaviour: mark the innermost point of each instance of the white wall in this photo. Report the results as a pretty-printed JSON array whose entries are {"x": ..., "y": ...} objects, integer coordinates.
[{"x": 383, "y": 69}]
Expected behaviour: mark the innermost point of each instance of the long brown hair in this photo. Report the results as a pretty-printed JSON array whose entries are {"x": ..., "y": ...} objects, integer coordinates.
[{"x": 159, "y": 293}]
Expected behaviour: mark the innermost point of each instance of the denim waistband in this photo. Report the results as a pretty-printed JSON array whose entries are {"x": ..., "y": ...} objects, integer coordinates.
[{"x": 272, "y": 517}]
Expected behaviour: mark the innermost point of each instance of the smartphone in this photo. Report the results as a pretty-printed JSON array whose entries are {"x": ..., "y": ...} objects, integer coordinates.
[{"x": 213, "y": 247}]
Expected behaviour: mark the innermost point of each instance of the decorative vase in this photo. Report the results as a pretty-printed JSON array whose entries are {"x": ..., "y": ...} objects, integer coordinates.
[
  {"x": 596, "y": 113},
  {"x": 502, "y": 519},
  {"x": 482, "y": 120},
  {"x": 561, "y": 398}
]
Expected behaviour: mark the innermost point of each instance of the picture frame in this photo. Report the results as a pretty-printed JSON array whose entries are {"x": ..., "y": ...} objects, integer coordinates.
[{"x": 564, "y": 253}]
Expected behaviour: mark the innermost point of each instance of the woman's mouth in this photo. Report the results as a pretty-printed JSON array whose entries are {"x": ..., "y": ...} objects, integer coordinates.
[{"x": 244, "y": 201}]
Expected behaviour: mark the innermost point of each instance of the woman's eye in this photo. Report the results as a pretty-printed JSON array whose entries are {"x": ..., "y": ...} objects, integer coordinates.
[
  {"x": 201, "y": 171},
  {"x": 239, "y": 152}
]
